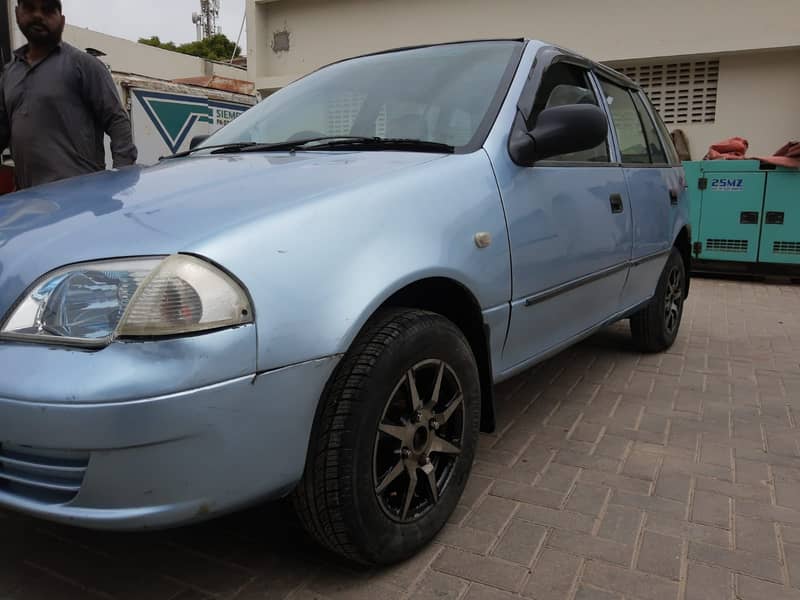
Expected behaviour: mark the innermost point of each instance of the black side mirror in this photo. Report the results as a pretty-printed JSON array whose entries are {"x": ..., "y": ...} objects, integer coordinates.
[
  {"x": 559, "y": 130},
  {"x": 197, "y": 140}
]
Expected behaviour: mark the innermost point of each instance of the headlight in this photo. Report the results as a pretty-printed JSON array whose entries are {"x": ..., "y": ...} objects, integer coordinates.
[{"x": 91, "y": 304}]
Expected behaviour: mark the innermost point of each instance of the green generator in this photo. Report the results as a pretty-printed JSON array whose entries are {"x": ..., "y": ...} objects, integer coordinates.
[{"x": 745, "y": 216}]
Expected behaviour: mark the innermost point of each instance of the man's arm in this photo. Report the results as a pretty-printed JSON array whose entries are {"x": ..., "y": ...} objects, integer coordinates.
[
  {"x": 101, "y": 95},
  {"x": 5, "y": 124}
]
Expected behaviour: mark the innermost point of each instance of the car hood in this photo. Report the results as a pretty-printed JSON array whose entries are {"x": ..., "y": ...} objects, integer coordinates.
[{"x": 167, "y": 208}]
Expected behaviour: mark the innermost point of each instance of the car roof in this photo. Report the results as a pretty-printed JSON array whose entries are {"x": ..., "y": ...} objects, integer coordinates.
[{"x": 590, "y": 64}]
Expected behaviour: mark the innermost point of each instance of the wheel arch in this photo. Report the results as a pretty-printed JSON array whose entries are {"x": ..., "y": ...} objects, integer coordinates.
[
  {"x": 454, "y": 301},
  {"x": 684, "y": 245}
]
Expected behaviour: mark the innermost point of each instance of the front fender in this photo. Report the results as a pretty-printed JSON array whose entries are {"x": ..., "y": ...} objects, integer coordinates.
[{"x": 319, "y": 270}]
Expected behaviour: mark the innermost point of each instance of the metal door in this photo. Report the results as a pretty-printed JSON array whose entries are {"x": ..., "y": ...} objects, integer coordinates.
[
  {"x": 780, "y": 231},
  {"x": 730, "y": 216}
]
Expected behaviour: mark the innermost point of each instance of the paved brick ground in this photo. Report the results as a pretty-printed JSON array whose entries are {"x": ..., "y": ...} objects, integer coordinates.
[{"x": 613, "y": 475}]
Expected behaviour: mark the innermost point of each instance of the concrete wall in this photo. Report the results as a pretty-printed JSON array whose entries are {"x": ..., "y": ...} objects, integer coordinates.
[
  {"x": 322, "y": 31},
  {"x": 757, "y": 98},
  {"x": 130, "y": 57}
]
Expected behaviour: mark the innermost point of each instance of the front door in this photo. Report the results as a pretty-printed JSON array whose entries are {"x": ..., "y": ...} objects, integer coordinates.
[{"x": 569, "y": 223}]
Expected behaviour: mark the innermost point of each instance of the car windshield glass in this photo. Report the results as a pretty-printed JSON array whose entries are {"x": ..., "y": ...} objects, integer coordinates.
[{"x": 439, "y": 94}]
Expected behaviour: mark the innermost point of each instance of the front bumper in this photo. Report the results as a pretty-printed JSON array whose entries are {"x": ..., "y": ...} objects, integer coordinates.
[{"x": 160, "y": 461}]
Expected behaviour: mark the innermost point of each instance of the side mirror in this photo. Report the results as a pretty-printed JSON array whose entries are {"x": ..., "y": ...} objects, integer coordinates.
[
  {"x": 559, "y": 130},
  {"x": 197, "y": 140}
]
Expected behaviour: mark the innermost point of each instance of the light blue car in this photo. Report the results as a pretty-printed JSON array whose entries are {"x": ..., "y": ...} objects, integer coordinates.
[{"x": 318, "y": 299}]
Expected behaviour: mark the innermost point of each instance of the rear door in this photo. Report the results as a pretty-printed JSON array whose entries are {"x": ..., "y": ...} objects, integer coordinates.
[{"x": 654, "y": 185}]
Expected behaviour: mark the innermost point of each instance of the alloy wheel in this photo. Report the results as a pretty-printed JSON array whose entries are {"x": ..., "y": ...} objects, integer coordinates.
[
  {"x": 418, "y": 441},
  {"x": 673, "y": 300}
]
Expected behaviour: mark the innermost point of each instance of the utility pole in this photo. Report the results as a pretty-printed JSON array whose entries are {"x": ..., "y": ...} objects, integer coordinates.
[{"x": 206, "y": 19}]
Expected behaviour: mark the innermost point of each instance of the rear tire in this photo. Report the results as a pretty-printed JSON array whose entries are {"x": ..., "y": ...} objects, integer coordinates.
[
  {"x": 656, "y": 326},
  {"x": 387, "y": 463}
]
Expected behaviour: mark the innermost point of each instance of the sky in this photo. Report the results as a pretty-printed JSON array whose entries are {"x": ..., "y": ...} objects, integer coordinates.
[{"x": 170, "y": 20}]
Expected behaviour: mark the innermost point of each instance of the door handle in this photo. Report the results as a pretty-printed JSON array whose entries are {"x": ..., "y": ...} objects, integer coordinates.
[
  {"x": 774, "y": 218},
  {"x": 673, "y": 197},
  {"x": 748, "y": 218},
  {"x": 616, "y": 203}
]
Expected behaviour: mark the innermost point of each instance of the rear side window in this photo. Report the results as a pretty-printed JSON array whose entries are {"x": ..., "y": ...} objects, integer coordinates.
[
  {"x": 632, "y": 141},
  {"x": 565, "y": 84},
  {"x": 657, "y": 154},
  {"x": 669, "y": 147}
]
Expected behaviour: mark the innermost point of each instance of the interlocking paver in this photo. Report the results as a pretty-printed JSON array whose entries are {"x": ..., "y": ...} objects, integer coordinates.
[
  {"x": 520, "y": 542},
  {"x": 758, "y": 493},
  {"x": 755, "y": 589},
  {"x": 491, "y": 515},
  {"x": 553, "y": 576},
  {"x": 480, "y": 569},
  {"x": 793, "y": 563},
  {"x": 660, "y": 555},
  {"x": 620, "y": 524},
  {"x": 482, "y": 592},
  {"x": 612, "y": 446},
  {"x": 560, "y": 519},
  {"x": 558, "y": 478},
  {"x": 704, "y": 582},
  {"x": 438, "y": 586},
  {"x": 591, "y": 547},
  {"x": 587, "y": 592},
  {"x": 628, "y": 582},
  {"x": 666, "y": 525},
  {"x": 740, "y": 561},
  {"x": 466, "y": 538},
  {"x": 528, "y": 494},
  {"x": 650, "y": 503},
  {"x": 587, "y": 499},
  {"x": 756, "y": 536},
  {"x": 620, "y": 482},
  {"x": 673, "y": 485},
  {"x": 711, "y": 509},
  {"x": 584, "y": 489},
  {"x": 641, "y": 465}
]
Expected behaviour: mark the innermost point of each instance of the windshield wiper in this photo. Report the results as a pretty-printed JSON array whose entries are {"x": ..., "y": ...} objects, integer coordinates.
[
  {"x": 232, "y": 147},
  {"x": 377, "y": 143},
  {"x": 296, "y": 144},
  {"x": 263, "y": 147},
  {"x": 327, "y": 143}
]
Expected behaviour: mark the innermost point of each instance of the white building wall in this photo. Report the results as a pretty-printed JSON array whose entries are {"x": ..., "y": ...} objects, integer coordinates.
[
  {"x": 322, "y": 31},
  {"x": 757, "y": 98},
  {"x": 131, "y": 57}
]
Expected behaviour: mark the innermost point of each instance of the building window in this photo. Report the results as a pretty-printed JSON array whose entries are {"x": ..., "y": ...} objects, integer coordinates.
[
  {"x": 342, "y": 112},
  {"x": 683, "y": 92}
]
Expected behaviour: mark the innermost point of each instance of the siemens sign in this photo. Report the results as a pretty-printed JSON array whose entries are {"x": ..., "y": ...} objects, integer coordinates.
[{"x": 725, "y": 184}]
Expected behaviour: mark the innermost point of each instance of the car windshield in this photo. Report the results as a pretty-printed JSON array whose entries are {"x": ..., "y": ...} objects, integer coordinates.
[{"x": 442, "y": 94}]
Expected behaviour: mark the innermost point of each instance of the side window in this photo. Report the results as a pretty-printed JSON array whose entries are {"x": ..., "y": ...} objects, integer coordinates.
[
  {"x": 657, "y": 154},
  {"x": 632, "y": 142},
  {"x": 568, "y": 84},
  {"x": 672, "y": 153}
]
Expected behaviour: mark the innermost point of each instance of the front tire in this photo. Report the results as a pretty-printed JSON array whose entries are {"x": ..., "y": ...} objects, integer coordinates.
[
  {"x": 394, "y": 439},
  {"x": 655, "y": 327}
]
